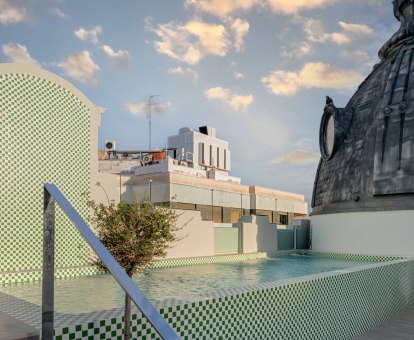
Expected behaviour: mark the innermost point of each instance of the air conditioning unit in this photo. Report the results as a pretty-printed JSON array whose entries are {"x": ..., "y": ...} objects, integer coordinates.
[
  {"x": 146, "y": 159},
  {"x": 110, "y": 145}
]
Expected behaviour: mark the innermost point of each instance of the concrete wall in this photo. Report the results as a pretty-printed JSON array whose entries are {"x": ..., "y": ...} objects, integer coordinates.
[
  {"x": 258, "y": 235},
  {"x": 198, "y": 236},
  {"x": 226, "y": 240},
  {"x": 285, "y": 239},
  {"x": 381, "y": 232}
]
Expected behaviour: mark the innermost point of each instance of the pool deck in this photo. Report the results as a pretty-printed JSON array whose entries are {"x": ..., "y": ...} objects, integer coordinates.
[
  {"x": 400, "y": 327},
  {"x": 11, "y": 328}
]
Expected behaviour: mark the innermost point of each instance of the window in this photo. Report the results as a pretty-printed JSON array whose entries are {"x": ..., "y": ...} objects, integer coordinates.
[
  {"x": 283, "y": 219},
  {"x": 218, "y": 157},
  {"x": 211, "y": 155},
  {"x": 201, "y": 154}
]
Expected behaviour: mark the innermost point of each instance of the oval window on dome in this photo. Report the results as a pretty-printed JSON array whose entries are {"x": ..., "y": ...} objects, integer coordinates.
[{"x": 327, "y": 136}]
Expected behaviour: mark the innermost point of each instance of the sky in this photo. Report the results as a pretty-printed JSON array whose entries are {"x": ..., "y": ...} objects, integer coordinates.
[{"x": 256, "y": 70}]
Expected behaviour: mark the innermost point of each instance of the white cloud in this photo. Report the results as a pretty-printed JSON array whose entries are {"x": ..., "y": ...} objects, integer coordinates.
[
  {"x": 239, "y": 75},
  {"x": 297, "y": 51},
  {"x": 240, "y": 28},
  {"x": 141, "y": 109},
  {"x": 221, "y": 8},
  {"x": 188, "y": 72},
  {"x": 316, "y": 32},
  {"x": 122, "y": 57},
  {"x": 232, "y": 100},
  {"x": 57, "y": 12},
  {"x": 312, "y": 75},
  {"x": 196, "y": 39},
  {"x": 10, "y": 13},
  {"x": 192, "y": 41},
  {"x": 298, "y": 157},
  {"x": 17, "y": 53},
  {"x": 81, "y": 67},
  {"x": 359, "y": 29},
  {"x": 295, "y": 6},
  {"x": 89, "y": 35}
]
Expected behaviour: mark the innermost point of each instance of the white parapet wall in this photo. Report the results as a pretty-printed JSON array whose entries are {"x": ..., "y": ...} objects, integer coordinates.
[
  {"x": 258, "y": 235},
  {"x": 377, "y": 233},
  {"x": 197, "y": 236}
]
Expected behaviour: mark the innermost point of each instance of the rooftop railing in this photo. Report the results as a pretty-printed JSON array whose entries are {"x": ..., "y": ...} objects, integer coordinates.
[{"x": 51, "y": 195}]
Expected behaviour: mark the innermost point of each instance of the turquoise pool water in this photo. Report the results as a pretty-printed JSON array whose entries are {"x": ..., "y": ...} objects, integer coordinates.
[{"x": 93, "y": 293}]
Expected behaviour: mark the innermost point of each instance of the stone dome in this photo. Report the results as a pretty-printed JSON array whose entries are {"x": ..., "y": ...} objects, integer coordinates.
[{"x": 367, "y": 147}]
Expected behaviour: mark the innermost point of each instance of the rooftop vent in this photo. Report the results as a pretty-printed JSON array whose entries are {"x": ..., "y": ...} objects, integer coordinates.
[{"x": 207, "y": 130}]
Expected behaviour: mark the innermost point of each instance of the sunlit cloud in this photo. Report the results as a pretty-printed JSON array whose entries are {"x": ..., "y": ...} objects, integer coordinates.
[
  {"x": 10, "y": 13},
  {"x": 295, "y": 6},
  {"x": 240, "y": 28},
  {"x": 185, "y": 71},
  {"x": 221, "y": 8},
  {"x": 89, "y": 35},
  {"x": 192, "y": 41},
  {"x": 298, "y": 157},
  {"x": 297, "y": 51},
  {"x": 312, "y": 75},
  {"x": 141, "y": 109},
  {"x": 316, "y": 32},
  {"x": 17, "y": 53},
  {"x": 239, "y": 75},
  {"x": 232, "y": 100},
  {"x": 81, "y": 67},
  {"x": 121, "y": 58}
]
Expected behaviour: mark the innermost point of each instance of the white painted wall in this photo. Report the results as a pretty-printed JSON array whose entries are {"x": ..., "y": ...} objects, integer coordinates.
[
  {"x": 198, "y": 236},
  {"x": 258, "y": 235},
  {"x": 377, "y": 233}
]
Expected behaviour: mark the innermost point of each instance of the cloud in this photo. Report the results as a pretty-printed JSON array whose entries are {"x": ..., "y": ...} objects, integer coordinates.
[
  {"x": 356, "y": 28},
  {"x": 81, "y": 67},
  {"x": 141, "y": 109},
  {"x": 221, "y": 8},
  {"x": 192, "y": 41},
  {"x": 298, "y": 157},
  {"x": 297, "y": 51},
  {"x": 240, "y": 28},
  {"x": 89, "y": 35},
  {"x": 312, "y": 75},
  {"x": 232, "y": 100},
  {"x": 10, "y": 13},
  {"x": 188, "y": 72},
  {"x": 238, "y": 75},
  {"x": 196, "y": 39},
  {"x": 58, "y": 13},
  {"x": 316, "y": 32},
  {"x": 17, "y": 53},
  {"x": 295, "y": 6},
  {"x": 121, "y": 58}
]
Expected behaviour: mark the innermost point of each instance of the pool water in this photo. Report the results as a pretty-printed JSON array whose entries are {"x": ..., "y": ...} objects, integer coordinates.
[{"x": 93, "y": 293}]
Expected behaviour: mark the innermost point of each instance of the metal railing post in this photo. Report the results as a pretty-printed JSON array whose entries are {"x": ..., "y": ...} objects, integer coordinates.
[
  {"x": 48, "y": 265},
  {"x": 51, "y": 195}
]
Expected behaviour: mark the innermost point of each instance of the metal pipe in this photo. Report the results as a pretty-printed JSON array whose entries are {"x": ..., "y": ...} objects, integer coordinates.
[
  {"x": 48, "y": 265},
  {"x": 52, "y": 193}
]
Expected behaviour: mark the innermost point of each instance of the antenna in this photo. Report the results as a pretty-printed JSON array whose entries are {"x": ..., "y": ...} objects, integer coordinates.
[{"x": 149, "y": 118}]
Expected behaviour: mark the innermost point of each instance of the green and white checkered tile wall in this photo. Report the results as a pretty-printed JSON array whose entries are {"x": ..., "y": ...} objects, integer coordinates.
[
  {"x": 44, "y": 137},
  {"x": 336, "y": 305}
]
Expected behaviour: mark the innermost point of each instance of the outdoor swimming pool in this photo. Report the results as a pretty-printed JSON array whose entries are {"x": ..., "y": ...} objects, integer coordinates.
[{"x": 94, "y": 293}]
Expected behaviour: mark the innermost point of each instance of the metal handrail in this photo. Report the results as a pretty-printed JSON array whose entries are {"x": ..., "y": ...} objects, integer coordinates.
[{"x": 51, "y": 195}]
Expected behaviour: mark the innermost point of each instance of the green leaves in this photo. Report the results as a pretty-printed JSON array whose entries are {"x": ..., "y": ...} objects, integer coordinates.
[{"x": 135, "y": 234}]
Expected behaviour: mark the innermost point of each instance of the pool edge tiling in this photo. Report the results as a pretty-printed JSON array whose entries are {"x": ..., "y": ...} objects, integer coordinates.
[{"x": 339, "y": 304}]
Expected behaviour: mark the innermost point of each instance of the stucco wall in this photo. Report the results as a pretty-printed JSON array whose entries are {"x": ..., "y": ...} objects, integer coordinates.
[
  {"x": 198, "y": 236},
  {"x": 258, "y": 235},
  {"x": 382, "y": 232}
]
